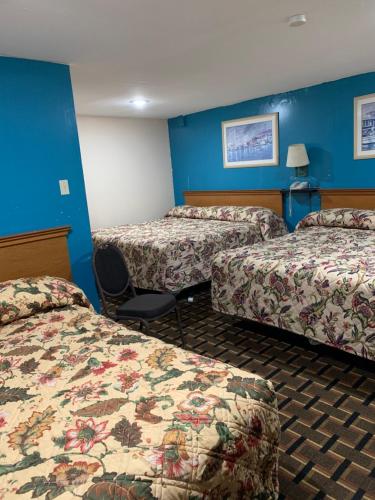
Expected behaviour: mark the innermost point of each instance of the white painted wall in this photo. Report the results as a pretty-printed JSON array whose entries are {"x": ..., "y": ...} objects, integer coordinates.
[{"x": 127, "y": 169}]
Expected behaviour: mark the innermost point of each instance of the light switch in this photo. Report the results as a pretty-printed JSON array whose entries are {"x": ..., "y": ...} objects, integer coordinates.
[{"x": 64, "y": 187}]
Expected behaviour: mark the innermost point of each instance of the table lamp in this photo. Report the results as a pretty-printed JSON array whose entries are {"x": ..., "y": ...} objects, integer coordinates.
[{"x": 298, "y": 159}]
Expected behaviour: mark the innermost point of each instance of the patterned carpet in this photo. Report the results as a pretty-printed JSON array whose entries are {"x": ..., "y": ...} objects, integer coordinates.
[{"x": 326, "y": 399}]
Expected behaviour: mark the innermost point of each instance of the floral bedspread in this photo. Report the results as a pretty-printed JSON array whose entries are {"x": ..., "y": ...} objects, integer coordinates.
[
  {"x": 176, "y": 252},
  {"x": 91, "y": 409},
  {"x": 318, "y": 281}
]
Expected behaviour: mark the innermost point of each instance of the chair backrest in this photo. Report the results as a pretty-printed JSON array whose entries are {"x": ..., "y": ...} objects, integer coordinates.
[{"x": 111, "y": 272}]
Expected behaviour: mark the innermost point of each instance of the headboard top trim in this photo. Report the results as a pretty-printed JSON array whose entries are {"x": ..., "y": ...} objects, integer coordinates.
[
  {"x": 234, "y": 191},
  {"x": 19, "y": 238}
]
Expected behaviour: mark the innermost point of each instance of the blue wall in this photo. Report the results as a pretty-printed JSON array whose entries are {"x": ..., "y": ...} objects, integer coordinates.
[
  {"x": 38, "y": 146},
  {"x": 320, "y": 116}
]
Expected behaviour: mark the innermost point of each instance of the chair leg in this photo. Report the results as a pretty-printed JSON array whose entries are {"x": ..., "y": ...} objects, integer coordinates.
[
  {"x": 179, "y": 324},
  {"x": 145, "y": 324}
]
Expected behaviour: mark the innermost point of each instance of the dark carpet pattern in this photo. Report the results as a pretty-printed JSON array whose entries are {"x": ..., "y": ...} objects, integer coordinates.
[{"x": 326, "y": 399}]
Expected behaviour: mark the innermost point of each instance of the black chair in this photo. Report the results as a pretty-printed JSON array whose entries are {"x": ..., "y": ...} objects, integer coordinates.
[{"x": 113, "y": 279}]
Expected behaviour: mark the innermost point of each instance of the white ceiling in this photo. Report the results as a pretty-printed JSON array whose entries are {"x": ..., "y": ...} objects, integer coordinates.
[{"x": 189, "y": 55}]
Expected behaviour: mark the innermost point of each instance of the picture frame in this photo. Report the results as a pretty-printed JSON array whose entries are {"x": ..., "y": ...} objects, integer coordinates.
[
  {"x": 364, "y": 127},
  {"x": 251, "y": 141}
]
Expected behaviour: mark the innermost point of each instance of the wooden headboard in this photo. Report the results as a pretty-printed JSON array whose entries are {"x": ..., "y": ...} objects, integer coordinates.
[
  {"x": 268, "y": 198},
  {"x": 347, "y": 198},
  {"x": 35, "y": 254}
]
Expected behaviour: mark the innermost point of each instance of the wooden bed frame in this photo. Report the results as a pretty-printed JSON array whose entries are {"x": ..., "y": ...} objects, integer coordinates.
[
  {"x": 36, "y": 253},
  {"x": 268, "y": 198},
  {"x": 347, "y": 198}
]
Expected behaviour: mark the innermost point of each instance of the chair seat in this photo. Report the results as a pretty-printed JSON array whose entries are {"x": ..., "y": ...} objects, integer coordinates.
[{"x": 148, "y": 306}]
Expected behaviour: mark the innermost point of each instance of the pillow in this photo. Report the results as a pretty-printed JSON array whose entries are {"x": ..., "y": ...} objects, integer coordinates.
[
  {"x": 269, "y": 223},
  {"x": 340, "y": 217},
  {"x": 24, "y": 297}
]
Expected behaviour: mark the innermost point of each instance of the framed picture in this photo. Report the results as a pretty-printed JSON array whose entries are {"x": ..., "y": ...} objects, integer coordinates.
[
  {"x": 364, "y": 127},
  {"x": 251, "y": 142}
]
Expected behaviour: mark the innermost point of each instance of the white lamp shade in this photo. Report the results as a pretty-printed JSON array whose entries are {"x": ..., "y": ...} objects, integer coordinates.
[{"x": 297, "y": 156}]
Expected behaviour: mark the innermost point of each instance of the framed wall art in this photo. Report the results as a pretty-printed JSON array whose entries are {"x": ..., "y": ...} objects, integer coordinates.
[
  {"x": 251, "y": 142},
  {"x": 364, "y": 127}
]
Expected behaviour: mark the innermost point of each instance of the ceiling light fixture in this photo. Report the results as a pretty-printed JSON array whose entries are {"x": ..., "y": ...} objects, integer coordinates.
[
  {"x": 139, "y": 103},
  {"x": 297, "y": 20}
]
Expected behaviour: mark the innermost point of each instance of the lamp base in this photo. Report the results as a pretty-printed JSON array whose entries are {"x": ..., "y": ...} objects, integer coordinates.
[{"x": 301, "y": 171}]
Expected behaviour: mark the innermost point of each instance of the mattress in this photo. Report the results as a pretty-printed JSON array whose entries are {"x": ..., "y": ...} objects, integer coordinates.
[
  {"x": 91, "y": 409},
  {"x": 318, "y": 282},
  {"x": 176, "y": 252}
]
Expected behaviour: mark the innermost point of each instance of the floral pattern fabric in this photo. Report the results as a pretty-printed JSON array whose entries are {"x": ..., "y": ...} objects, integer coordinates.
[
  {"x": 270, "y": 224},
  {"x": 46, "y": 293},
  {"x": 318, "y": 281},
  {"x": 340, "y": 217},
  {"x": 91, "y": 409},
  {"x": 176, "y": 252}
]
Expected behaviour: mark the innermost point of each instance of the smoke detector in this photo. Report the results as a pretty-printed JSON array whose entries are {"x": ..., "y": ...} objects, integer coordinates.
[{"x": 297, "y": 20}]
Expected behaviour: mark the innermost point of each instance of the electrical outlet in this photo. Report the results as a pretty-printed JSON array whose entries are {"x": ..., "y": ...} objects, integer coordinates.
[{"x": 64, "y": 187}]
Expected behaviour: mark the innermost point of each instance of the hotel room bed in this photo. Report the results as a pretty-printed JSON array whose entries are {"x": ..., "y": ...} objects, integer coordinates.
[
  {"x": 91, "y": 409},
  {"x": 318, "y": 281},
  {"x": 176, "y": 252}
]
